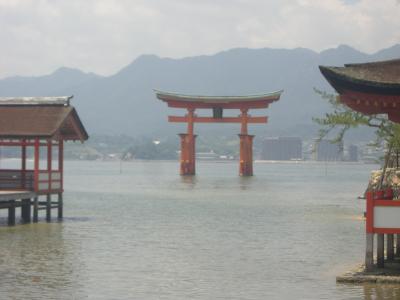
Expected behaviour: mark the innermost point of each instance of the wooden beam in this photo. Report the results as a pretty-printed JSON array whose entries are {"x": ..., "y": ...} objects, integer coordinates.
[
  {"x": 226, "y": 105},
  {"x": 180, "y": 119}
]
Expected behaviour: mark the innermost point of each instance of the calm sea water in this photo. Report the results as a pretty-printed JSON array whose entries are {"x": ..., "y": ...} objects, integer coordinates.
[{"x": 140, "y": 231}]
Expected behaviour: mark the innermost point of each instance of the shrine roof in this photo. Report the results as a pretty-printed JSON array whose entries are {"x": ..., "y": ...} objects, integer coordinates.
[
  {"x": 37, "y": 101},
  {"x": 40, "y": 117},
  {"x": 168, "y": 96},
  {"x": 381, "y": 77}
]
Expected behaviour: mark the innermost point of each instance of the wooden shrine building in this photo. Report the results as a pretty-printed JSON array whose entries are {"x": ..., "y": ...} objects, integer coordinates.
[
  {"x": 37, "y": 126},
  {"x": 217, "y": 104},
  {"x": 373, "y": 88}
]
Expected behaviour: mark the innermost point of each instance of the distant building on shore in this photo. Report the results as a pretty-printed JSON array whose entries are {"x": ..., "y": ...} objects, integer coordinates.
[
  {"x": 282, "y": 148},
  {"x": 325, "y": 150}
]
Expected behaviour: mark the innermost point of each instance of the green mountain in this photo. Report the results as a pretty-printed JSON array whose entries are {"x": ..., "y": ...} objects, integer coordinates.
[{"x": 124, "y": 103}]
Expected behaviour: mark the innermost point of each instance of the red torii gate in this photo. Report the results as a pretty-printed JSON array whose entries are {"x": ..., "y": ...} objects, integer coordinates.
[{"x": 217, "y": 104}]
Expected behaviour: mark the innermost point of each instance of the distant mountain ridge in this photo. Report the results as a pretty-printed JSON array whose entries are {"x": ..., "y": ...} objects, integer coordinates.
[{"x": 124, "y": 103}]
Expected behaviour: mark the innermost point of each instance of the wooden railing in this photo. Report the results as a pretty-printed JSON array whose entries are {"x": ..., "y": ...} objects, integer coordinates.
[
  {"x": 46, "y": 182},
  {"x": 16, "y": 179},
  {"x": 49, "y": 181}
]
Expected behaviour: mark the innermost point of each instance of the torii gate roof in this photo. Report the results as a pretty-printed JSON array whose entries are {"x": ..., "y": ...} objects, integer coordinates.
[{"x": 183, "y": 100}]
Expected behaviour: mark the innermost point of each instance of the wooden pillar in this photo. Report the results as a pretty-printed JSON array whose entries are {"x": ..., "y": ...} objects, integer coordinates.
[
  {"x": 244, "y": 116},
  {"x": 369, "y": 252},
  {"x": 23, "y": 164},
  {"x": 380, "y": 250},
  {"x": 48, "y": 207},
  {"x": 60, "y": 205},
  {"x": 49, "y": 161},
  {"x": 36, "y": 165},
  {"x": 190, "y": 124},
  {"x": 61, "y": 162},
  {"x": 369, "y": 228},
  {"x": 390, "y": 247},
  {"x": 188, "y": 154},
  {"x": 26, "y": 210},
  {"x": 60, "y": 214},
  {"x": 11, "y": 213},
  {"x": 246, "y": 146},
  {"x": 35, "y": 210},
  {"x": 188, "y": 148},
  {"x": 246, "y": 155}
]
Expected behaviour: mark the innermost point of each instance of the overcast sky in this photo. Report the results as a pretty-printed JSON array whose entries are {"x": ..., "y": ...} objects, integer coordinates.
[{"x": 102, "y": 36}]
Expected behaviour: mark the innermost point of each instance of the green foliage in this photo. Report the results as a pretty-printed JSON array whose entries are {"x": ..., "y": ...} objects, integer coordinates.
[{"x": 343, "y": 118}]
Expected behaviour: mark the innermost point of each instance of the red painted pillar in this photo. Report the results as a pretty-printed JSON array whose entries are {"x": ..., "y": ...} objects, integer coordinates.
[
  {"x": 61, "y": 162},
  {"x": 188, "y": 149},
  {"x": 36, "y": 165},
  {"x": 23, "y": 164},
  {"x": 188, "y": 154},
  {"x": 246, "y": 147},
  {"x": 61, "y": 170},
  {"x": 246, "y": 155},
  {"x": 49, "y": 161}
]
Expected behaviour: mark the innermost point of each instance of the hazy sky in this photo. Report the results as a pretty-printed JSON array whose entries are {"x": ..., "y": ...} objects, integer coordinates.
[{"x": 102, "y": 36}]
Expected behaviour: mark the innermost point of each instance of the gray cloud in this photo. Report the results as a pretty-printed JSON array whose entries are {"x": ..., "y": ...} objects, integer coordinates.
[{"x": 102, "y": 36}]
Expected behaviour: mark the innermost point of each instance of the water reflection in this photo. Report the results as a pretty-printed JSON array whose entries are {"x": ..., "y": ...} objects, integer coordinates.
[
  {"x": 245, "y": 182},
  {"x": 189, "y": 180},
  {"x": 36, "y": 263},
  {"x": 381, "y": 292},
  {"x": 152, "y": 234}
]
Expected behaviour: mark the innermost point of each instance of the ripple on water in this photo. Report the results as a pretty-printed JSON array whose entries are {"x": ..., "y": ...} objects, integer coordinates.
[{"x": 147, "y": 233}]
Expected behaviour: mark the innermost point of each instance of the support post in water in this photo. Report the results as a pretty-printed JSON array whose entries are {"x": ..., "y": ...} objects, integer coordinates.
[
  {"x": 390, "y": 247},
  {"x": 35, "y": 210},
  {"x": 60, "y": 205},
  {"x": 380, "y": 250},
  {"x": 397, "y": 244},
  {"x": 48, "y": 207},
  {"x": 26, "y": 210},
  {"x": 11, "y": 213},
  {"x": 369, "y": 252}
]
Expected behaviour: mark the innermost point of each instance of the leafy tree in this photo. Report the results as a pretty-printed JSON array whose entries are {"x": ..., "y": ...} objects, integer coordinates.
[{"x": 343, "y": 118}]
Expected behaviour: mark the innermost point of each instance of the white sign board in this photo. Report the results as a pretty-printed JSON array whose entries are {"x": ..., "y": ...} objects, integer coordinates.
[{"x": 387, "y": 217}]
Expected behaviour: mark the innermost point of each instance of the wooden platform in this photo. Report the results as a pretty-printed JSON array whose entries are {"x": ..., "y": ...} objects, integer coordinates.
[
  {"x": 26, "y": 200},
  {"x": 358, "y": 275},
  {"x": 16, "y": 195}
]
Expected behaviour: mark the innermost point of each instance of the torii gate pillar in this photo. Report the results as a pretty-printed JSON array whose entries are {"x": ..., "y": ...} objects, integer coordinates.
[
  {"x": 188, "y": 147},
  {"x": 246, "y": 147},
  {"x": 188, "y": 154},
  {"x": 246, "y": 155}
]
